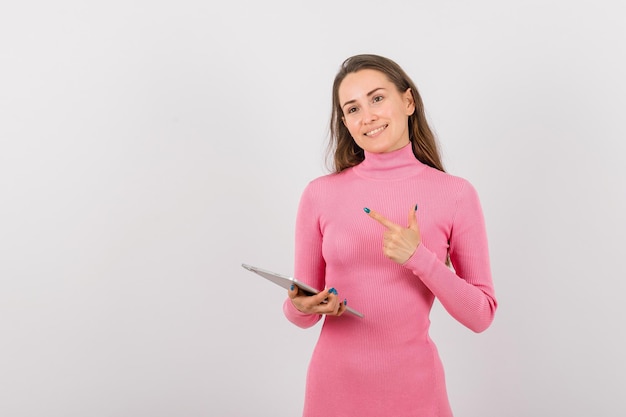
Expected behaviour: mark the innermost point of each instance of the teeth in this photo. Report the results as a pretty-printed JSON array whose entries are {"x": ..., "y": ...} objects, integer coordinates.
[{"x": 373, "y": 132}]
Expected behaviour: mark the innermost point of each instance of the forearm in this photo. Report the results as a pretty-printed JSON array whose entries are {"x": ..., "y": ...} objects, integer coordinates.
[
  {"x": 470, "y": 300},
  {"x": 298, "y": 318}
]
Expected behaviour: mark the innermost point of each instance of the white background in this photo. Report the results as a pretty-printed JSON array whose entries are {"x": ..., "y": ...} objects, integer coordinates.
[{"x": 147, "y": 149}]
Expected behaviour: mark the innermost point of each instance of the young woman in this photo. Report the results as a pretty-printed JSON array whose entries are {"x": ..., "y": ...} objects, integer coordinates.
[{"x": 388, "y": 232}]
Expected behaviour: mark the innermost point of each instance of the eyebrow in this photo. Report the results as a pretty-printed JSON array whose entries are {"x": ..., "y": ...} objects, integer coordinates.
[{"x": 368, "y": 94}]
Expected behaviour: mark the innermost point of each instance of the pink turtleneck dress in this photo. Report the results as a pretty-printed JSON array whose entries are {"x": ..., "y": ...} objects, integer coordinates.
[{"x": 385, "y": 364}]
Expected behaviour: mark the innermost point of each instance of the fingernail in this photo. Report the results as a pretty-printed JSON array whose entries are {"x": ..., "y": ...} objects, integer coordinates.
[
  {"x": 333, "y": 291},
  {"x": 416, "y": 207},
  {"x": 292, "y": 287},
  {"x": 345, "y": 301},
  {"x": 365, "y": 209}
]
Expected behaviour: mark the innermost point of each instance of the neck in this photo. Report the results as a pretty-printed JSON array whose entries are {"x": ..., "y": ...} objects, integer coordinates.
[{"x": 396, "y": 164}]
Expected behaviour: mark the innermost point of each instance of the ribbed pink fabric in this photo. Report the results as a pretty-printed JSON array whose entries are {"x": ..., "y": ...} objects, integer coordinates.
[{"x": 386, "y": 364}]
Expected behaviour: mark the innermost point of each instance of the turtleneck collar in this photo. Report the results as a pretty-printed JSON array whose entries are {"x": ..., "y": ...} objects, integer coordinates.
[{"x": 393, "y": 165}]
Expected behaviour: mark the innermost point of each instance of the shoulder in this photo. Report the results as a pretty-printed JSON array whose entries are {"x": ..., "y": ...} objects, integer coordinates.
[
  {"x": 455, "y": 192},
  {"x": 326, "y": 190},
  {"x": 450, "y": 182},
  {"x": 328, "y": 182}
]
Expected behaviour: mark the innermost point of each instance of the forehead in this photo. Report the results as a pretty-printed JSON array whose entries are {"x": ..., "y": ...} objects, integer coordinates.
[{"x": 360, "y": 83}]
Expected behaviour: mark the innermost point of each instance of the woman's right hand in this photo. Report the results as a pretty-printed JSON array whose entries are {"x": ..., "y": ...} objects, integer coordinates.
[{"x": 326, "y": 302}]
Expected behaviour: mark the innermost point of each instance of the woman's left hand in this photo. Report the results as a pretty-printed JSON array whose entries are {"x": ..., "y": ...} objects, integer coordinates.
[{"x": 399, "y": 243}]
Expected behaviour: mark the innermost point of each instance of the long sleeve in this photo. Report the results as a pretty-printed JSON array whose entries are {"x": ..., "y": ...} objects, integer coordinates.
[
  {"x": 309, "y": 262},
  {"x": 466, "y": 292}
]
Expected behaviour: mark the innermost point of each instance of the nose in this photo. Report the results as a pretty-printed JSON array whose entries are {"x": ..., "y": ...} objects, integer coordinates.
[{"x": 367, "y": 115}]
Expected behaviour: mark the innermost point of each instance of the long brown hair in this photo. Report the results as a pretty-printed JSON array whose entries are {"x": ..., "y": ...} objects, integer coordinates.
[{"x": 346, "y": 153}]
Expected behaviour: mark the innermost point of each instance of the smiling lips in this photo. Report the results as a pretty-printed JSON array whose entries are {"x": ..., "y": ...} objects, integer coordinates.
[{"x": 376, "y": 131}]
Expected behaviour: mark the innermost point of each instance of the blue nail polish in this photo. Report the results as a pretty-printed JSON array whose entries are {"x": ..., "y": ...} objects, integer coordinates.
[
  {"x": 292, "y": 287},
  {"x": 365, "y": 209},
  {"x": 345, "y": 301},
  {"x": 333, "y": 291},
  {"x": 416, "y": 207}
]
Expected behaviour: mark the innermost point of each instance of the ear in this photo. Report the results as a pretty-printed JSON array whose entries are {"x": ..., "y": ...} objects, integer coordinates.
[{"x": 410, "y": 102}]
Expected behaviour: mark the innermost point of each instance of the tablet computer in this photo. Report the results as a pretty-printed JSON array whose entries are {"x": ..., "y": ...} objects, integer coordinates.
[{"x": 286, "y": 282}]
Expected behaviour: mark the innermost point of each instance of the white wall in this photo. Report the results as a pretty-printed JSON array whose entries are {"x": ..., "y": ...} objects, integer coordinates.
[{"x": 147, "y": 149}]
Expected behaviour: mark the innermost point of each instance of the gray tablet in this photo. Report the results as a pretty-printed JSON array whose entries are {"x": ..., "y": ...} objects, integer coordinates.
[{"x": 286, "y": 282}]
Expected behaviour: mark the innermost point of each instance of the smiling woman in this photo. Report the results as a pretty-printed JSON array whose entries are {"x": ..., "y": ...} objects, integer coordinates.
[
  {"x": 375, "y": 112},
  {"x": 391, "y": 266},
  {"x": 356, "y": 106}
]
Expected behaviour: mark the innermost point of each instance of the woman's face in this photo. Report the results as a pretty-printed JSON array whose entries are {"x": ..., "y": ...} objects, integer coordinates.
[{"x": 374, "y": 112}]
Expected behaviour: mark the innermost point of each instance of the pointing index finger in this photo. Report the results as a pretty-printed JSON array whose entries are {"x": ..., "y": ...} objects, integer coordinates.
[{"x": 381, "y": 219}]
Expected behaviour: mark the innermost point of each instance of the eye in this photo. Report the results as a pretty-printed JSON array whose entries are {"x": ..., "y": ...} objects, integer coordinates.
[
  {"x": 376, "y": 99},
  {"x": 351, "y": 110}
]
